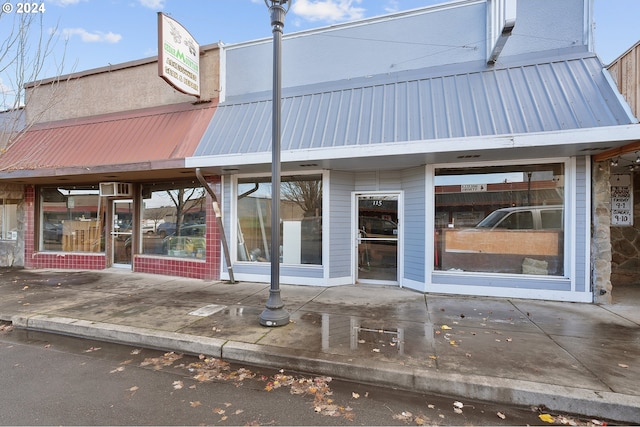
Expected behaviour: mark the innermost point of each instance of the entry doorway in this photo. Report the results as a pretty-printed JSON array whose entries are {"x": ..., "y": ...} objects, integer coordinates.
[
  {"x": 376, "y": 237},
  {"x": 122, "y": 233}
]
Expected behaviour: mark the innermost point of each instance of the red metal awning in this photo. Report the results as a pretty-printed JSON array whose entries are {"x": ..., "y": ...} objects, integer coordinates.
[{"x": 124, "y": 142}]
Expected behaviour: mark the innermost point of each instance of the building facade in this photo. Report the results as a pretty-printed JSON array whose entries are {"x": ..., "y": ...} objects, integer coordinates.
[
  {"x": 98, "y": 175},
  {"x": 447, "y": 149},
  {"x": 400, "y": 134}
]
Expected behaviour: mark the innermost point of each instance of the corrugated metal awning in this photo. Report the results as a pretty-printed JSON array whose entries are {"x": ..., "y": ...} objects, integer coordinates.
[
  {"x": 554, "y": 94},
  {"x": 126, "y": 141}
]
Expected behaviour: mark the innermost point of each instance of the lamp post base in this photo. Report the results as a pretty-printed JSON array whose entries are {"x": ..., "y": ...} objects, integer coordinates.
[{"x": 274, "y": 314}]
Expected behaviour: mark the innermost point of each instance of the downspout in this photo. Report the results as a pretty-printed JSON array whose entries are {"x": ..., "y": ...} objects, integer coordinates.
[{"x": 216, "y": 209}]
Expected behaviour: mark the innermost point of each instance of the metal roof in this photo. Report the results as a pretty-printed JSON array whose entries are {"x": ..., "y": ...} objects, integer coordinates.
[
  {"x": 560, "y": 93},
  {"x": 144, "y": 136}
]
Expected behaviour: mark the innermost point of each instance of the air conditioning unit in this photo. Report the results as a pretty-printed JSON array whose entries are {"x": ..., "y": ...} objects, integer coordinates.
[{"x": 116, "y": 189}]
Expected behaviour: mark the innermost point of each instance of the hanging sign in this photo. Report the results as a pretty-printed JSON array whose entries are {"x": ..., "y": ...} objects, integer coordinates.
[
  {"x": 621, "y": 200},
  {"x": 178, "y": 56}
]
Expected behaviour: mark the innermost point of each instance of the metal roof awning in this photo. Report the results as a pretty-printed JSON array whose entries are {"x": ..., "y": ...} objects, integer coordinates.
[
  {"x": 433, "y": 110},
  {"x": 143, "y": 143}
]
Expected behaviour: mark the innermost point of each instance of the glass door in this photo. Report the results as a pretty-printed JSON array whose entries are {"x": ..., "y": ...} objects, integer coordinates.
[
  {"x": 122, "y": 233},
  {"x": 377, "y": 238}
]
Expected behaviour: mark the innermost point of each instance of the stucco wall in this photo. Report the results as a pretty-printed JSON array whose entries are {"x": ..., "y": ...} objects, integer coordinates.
[{"x": 123, "y": 87}]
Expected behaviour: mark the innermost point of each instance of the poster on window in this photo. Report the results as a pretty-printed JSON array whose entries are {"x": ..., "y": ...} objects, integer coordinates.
[{"x": 621, "y": 200}]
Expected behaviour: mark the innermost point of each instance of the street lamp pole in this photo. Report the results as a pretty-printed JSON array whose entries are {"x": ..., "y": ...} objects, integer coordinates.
[{"x": 274, "y": 314}]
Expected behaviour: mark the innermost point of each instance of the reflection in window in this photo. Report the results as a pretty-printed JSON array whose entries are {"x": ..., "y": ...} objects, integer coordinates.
[
  {"x": 70, "y": 220},
  {"x": 174, "y": 221},
  {"x": 9, "y": 219},
  {"x": 502, "y": 219},
  {"x": 301, "y": 214}
]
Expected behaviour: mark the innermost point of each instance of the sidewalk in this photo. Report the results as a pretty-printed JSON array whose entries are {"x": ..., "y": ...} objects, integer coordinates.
[{"x": 575, "y": 358}]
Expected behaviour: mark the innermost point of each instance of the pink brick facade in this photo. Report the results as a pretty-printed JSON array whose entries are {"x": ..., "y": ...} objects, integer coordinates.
[{"x": 208, "y": 269}]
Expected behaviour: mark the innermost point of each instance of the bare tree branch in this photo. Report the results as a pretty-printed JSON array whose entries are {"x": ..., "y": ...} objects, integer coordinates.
[{"x": 26, "y": 51}]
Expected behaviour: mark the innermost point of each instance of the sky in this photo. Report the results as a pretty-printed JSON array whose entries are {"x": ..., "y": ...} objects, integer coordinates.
[{"x": 97, "y": 33}]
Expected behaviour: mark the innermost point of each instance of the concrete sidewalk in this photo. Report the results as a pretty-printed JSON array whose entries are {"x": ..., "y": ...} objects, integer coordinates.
[{"x": 576, "y": 358}]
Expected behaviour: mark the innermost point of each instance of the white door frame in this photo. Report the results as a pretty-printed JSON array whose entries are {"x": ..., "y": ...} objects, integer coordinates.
[
  {"x": 115, "y": 233},
  {"x": 354, "y": 236}
]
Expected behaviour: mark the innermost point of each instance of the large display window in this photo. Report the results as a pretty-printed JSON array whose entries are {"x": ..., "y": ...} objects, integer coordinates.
[
  {"x": 70, "y": 219},
  {"x": 9, "y": 219},
  {"x": 300, "y": 212},
  {"x": 174, "y": 220},
  {"x": 500, "y": 219}
]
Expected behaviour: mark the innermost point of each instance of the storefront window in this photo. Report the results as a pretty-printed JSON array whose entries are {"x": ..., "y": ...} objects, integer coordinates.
[
  {"x": 503, "y": 219},
  {"x": 174, "y": 221},
  {"x": 9, "y": 219},
  {"x": 301, "y": 214},
  {"x": 70, "y": 221}
]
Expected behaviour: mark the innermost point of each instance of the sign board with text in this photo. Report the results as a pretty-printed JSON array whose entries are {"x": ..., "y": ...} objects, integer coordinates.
[
  {"x": 178, "y": 56},
  {"x": 621, "y": 200}
]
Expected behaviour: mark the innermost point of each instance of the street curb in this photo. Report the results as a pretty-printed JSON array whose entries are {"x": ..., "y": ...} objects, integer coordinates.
[
  {"x": 613, "y": 406},
  {"x": 598, "y": 404},
  {"x": 170, "y": 341}
]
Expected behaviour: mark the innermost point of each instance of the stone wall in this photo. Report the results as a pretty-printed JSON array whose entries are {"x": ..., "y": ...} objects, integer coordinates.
[
  {"x": 600, "y": 233},
  {"x": 625, "y": 245}
]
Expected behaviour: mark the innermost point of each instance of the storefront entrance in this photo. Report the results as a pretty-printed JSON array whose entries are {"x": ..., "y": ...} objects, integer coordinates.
[
  {"x": 121, "y": 233},
  {"x": 377, "y": 238}
]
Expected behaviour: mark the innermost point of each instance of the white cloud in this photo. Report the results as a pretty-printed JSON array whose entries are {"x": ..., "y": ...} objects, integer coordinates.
[
  {"x": 153, "y": 4},
  {"x": 392, "y": 6},
  {"x": 328, "y": 10},
  {"x": 95, "y": 37}
]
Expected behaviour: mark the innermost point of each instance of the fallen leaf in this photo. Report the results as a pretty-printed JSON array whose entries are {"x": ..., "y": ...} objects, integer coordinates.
[
  {"x": 119, "y": 369},
  {"x": 90, "y": 349},
  {"x": 219, "y": 411},
  {"x": 376, "y": 350},
  {"x": 457, "y": 410},
  {"x": 195, "y": 404},
  {"x": 355, "y": 395},
  {"x": 239, "y": 411},
  {"x": 622, "y": 365},
  {"x": 501, "y": 415},
  {"x": 431, "y": 406},
  {"x": 446, "y": 328},
  {"x": 136, "y": 351},
  {"x": 177, "y": 385},
  {"x": 546, "y": 418},
  {"x": 457, "y": 404},
  {"x": 453, "y": 343}
]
